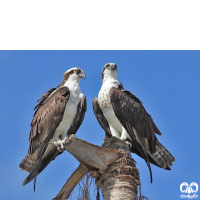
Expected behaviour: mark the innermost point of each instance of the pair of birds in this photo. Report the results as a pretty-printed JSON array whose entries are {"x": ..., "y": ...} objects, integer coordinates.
[{"x": 120, "y": 113}]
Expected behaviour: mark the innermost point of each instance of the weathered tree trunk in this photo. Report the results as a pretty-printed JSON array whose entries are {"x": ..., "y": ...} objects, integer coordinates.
[{"x": 121, "y": 179}]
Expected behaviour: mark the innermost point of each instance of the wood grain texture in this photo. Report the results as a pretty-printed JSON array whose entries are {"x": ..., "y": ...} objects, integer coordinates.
[{"x": 92, "y": 155}]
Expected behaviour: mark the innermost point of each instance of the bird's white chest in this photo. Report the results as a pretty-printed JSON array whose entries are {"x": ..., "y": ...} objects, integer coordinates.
[
  {"x": 107, "y": 109},
  {"x": 71, "y": 107},
  {"x": 104, "y": 99},
  {"x": 70, "y": 112}
]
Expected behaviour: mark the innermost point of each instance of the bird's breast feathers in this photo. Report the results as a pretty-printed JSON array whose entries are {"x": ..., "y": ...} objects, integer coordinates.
[
  {"x": 107, "y": 109},
  {"x": 104, "y": 99},
  {"x": 71, "y": 106},
  {"x": 70, "y": 112}
]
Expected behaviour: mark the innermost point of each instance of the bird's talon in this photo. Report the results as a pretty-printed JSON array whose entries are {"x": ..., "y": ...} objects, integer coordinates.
[
  {"x": 129, "y": 144},
  {"x": 72, "y": 136},
  {"x": 55, "y": 143},
  {"x": 60, "y": 144}
]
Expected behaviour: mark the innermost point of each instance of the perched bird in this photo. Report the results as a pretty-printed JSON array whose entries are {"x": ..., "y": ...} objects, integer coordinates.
[
  {"x": 121, "y": 114},
  {"x": 58, "y": 115}
]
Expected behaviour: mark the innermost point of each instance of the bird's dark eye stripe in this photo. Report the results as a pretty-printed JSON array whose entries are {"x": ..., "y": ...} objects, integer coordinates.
[{"x": 78, "y": 71}]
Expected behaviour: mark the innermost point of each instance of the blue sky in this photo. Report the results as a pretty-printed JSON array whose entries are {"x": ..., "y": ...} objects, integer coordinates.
[{"x": 167, "y": 82}]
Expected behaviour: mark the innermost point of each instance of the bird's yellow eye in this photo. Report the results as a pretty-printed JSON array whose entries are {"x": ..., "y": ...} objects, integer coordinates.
[
  {"x": 78, "y": 71},
  {"x": 107, "y": 65}
]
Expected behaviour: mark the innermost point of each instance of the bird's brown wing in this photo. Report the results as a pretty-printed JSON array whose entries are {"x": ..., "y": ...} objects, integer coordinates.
[
  {"x": 100, "y": 117},
  {"x": 46, "y": 119},
  {"x": 78, "y": 119},
  {"x": 137, "y": 122}
]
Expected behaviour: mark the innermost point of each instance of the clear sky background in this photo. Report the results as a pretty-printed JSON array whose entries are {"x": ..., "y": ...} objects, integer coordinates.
[{"x": 167, "y": 82}]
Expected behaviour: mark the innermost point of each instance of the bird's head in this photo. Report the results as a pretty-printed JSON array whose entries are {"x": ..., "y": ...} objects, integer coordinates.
[
  {"x": 73, "y": 74},
  {"x": 109, "y": 71}
]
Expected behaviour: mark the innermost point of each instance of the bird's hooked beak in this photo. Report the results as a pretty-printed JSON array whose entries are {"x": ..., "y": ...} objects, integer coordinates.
[
  {"x": 113, "y": 67},
  {"x": 82, "y": 74}
]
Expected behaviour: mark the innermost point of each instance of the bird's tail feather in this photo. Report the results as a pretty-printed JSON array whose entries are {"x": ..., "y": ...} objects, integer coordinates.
[
  {"x": 145, "y": 157},
  {"x": 50, "y": 155},
  {"x": 162, "y": 157},
  {"x": 28, "y": 163},
  {"x": 34, "y": 184},
  {"x": 30, "y": 177}
]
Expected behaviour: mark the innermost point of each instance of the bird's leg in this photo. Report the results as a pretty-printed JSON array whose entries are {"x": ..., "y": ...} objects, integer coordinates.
[
  {"x": 114, "y": 132},
  {"x": 124, "y": 137}
]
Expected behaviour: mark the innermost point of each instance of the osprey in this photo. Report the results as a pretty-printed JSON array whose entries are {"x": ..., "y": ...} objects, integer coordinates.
[
  {"x": 121, "y": 114},
  {"x": 58, "y": 115}
]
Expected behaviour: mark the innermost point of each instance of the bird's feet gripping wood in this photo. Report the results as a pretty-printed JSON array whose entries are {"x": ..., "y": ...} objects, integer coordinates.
[
  {"x": 126, "y": 140},
  {"x": 61, "y": 144},
  {"x": 129, "y": 144}
]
